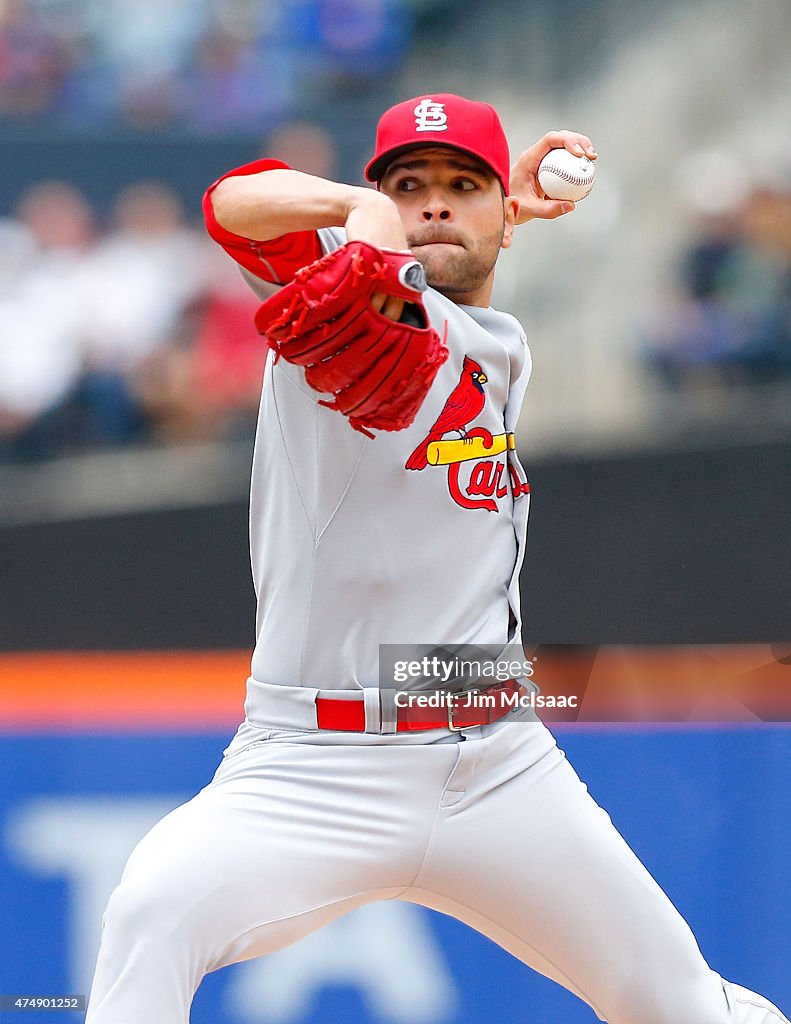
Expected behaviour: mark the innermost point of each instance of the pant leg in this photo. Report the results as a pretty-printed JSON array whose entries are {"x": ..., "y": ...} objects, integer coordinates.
[
  {"x": 523, "y": 854},
  {"x": 746, "y": 1007},
  {"x": 285, "y": 838}
]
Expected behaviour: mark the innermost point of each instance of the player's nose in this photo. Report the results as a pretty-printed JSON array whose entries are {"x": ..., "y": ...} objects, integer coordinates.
[{"x": 436, "y": 207}]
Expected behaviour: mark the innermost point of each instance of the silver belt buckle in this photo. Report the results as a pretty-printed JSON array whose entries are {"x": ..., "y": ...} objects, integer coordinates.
[
  {"x": 452, "y": 708},
  {"x": 497, "y": 688}
]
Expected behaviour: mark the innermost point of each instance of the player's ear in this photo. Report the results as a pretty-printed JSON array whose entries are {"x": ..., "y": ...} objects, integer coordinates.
[{"x": 510, "y": 211}]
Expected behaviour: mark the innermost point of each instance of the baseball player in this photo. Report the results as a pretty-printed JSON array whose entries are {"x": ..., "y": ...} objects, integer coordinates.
[{"x": 388, "y": 507}]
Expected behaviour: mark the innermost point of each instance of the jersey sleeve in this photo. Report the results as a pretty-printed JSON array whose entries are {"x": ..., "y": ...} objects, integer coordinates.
[{"x": 276, "y": 260}]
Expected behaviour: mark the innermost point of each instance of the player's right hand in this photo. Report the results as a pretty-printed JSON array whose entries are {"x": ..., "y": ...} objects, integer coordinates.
[
  {"x": 388, "y": 305},
  {"x": 373, "y": 217}
]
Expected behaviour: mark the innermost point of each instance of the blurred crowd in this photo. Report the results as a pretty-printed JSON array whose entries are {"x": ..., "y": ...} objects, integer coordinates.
[
  {"x": 206, "y": 66},
  {"x": 729, "y": 322},
  {"x": 138, "y": 329},
  {"x": 135, "y": 330}
]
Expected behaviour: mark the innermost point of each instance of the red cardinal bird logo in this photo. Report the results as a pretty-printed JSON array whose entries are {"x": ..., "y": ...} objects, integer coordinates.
[{"x": 463, "y": 405}]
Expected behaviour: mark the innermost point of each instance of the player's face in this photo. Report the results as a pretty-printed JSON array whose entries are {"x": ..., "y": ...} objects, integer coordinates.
[{"x": 455, "y": 216}]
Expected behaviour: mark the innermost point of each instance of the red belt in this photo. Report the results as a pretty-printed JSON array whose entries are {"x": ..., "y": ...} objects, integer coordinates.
[{"x": 457, "y": 711}]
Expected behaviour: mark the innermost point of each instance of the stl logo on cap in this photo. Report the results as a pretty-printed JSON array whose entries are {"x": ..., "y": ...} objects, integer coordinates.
[
  {"x": 430, "y": 116},
  {"x": 452, "y": 120}
]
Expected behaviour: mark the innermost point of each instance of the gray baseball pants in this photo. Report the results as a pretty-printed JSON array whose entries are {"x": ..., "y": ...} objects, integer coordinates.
[{"x": 494, "y": 829}]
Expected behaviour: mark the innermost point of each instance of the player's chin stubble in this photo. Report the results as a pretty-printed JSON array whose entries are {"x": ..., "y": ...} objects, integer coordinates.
[{"x": 460, "y": 270}]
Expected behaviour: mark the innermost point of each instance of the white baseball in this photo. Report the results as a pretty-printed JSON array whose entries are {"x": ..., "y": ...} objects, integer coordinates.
[{"x": 564, "y": 176}]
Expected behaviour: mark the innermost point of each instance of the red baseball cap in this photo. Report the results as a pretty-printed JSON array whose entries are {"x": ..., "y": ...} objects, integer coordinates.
[{"x": 441, "y": 119}]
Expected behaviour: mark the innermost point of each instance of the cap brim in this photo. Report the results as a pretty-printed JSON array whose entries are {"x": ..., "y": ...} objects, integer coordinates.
[{"x": 377, "y": 168}]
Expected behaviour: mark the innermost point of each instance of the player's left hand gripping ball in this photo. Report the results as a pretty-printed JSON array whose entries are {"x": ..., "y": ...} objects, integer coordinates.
[{"x": 377, "y": 370}]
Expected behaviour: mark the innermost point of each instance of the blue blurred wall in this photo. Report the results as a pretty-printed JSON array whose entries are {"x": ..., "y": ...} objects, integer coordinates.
[{"x": 707, "y": 809}]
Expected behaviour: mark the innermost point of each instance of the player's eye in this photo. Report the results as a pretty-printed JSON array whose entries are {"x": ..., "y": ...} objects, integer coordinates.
[
  {"x": 465, "y": 184},
  {"x": 407, "y": 184}
]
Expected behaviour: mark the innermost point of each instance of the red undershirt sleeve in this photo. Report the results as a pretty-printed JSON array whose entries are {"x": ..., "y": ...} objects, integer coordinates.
[{"x": 276, "y": 260}]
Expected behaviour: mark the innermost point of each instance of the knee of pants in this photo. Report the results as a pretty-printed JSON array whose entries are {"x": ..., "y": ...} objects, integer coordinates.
[
  {"x": 686, "y": 1000},
  {"x": 140, "y": 909}
]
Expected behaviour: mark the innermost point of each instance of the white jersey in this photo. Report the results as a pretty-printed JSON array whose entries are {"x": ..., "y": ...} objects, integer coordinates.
[{"x": 351, "y": 550}]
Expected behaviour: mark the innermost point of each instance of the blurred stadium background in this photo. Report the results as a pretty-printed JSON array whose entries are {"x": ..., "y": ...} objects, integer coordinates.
[{"x": 656, "y": 433}]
